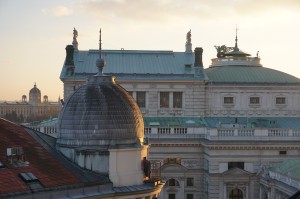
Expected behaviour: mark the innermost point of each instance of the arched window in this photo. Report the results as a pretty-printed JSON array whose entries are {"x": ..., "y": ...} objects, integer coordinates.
[
  {"x": 236, "y": 194},
  {"x": 172, "y": 182}
]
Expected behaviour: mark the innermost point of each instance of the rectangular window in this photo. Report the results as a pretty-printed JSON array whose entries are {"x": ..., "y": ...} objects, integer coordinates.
[
  {"x": 177, "y": 100},
  {"x": 235, "y": 165},
  {"x": 189, "y": 182},
  {"x": 141, "y": 99},
  {"x": 189, "y": 196},
  {"x": 172, "y": 196},
  {"x": 280, "y": 100},
  {"x": 228, "y": 100},
  {"x": 282, "y": 152},
  {"x": 254, "y": 100},
  {"x": 164, "y": 100}
]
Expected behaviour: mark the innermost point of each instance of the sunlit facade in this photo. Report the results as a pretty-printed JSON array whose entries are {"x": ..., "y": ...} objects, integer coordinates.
[
  {"x": 28, "y": 110},
  {"x": 212, "y": 130}
]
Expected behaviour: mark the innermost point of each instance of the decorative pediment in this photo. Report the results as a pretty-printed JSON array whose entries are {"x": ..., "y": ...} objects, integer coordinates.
[
  {"x": 236, "y": 172},
  {"x": 173, "y": 168}
]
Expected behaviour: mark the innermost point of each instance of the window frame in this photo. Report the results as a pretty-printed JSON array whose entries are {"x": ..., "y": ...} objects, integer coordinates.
[
  {"x": 189, "y": 182},
  {"x": 141, "y": 100},
  {"x": 240, "y": 165},
  {"x": 164, "y": 101},
  {"x": 251, "y": 103},
  {"x": 177, "y": 100},
  {"x": 277, "y": 103},
  {"x": 225, "y": 103}
]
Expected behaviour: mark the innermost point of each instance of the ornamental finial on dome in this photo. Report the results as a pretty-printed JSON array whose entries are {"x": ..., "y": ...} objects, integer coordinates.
[
  {"x": 236, "y": 40},
  {"x": 100, "y": 62}
]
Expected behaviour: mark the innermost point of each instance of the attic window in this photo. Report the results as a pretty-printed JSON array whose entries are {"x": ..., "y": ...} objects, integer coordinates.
[{"x": 31, "y": 180}]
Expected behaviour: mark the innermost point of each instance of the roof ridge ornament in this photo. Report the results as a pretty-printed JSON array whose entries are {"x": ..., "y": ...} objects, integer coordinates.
[{"x": 75, "y": 42}]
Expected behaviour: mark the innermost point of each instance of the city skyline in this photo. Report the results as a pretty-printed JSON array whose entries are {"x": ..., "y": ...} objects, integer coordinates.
[{"x": 34, "y": 35}]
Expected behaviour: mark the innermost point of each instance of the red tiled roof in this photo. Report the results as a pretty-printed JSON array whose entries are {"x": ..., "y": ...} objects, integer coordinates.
[{"x": 49, "y": 171}]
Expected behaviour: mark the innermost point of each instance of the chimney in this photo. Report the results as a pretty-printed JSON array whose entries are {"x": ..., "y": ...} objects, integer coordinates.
[
  {"x": 69, "y": 55},
  {"x": 198, "y": 57}
]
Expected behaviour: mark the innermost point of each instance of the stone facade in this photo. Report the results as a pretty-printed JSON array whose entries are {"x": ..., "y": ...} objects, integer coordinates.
[
  {"x": 34, "y": 109},
  {"x": 213, "y": 145}
]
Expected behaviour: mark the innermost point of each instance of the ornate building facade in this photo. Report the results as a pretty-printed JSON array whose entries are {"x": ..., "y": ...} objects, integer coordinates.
[
  {"x": 215, "y": 132},
  {"x": 33, "y": 109}
]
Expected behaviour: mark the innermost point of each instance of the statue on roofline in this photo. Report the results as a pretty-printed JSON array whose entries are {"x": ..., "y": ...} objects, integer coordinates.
[
  {"x": 188, "y": 37},
  {"x": 75, "y": 34},
  {"x": 222, "y": 50}
]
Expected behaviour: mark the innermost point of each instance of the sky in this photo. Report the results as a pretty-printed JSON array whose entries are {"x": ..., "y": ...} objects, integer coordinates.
[{"x": 34, "y": 34}]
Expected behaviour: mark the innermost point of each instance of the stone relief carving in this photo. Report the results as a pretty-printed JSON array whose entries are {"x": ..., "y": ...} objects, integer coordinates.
[{"x": 191, "y": 164}]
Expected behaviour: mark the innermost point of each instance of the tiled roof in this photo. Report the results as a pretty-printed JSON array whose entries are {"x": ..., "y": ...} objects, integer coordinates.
[
  {"x": 51, "y": 170},
  {"x": 137, "y": 64},
  {"x": 248, "y": 74}
]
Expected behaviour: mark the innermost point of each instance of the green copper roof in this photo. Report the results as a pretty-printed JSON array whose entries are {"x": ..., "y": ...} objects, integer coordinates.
[
  {"x": 217, "y": 122},
  {"x": 135, "y": 64},
  {"x": 255, "y": 122},
  {"x": 174, "y": 122},
  {"x": 50, "y": 122},
  {"x": 248, "y": 74},
  {"x": 289, "y": 167}
]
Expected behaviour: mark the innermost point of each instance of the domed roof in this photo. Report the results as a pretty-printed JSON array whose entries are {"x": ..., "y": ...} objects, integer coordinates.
[
  {"x": 35, "y": 90},
  {"x": 100, "y": 113},
  {"x": 248, "y": 74}
]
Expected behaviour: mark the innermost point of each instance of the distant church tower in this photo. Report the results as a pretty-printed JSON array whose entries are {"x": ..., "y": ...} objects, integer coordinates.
[{"x": 34, "y": 95}]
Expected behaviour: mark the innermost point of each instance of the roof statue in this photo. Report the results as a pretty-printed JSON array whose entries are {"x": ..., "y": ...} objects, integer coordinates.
[
  {"x": 75, "y": 35},
  {"x": 188, "y": 37},
  {"x": 222, "y": 50},
  {"x": 188, "y": 43}
]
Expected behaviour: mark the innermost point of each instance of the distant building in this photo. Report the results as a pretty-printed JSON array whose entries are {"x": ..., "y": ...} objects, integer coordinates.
[
  {"x": 99, "y": 151},
  {"x": 215, "y": 132},
  {"x": 34, "y": 109}
]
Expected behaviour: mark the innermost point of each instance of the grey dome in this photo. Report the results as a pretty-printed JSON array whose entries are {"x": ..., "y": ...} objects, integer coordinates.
[
  {"x": 34, "y": 90},
  {"x": 100, "y": 113}
]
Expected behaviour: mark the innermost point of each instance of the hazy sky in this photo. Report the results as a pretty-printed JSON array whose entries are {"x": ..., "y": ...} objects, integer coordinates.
[{"x": 34, "y": 33}]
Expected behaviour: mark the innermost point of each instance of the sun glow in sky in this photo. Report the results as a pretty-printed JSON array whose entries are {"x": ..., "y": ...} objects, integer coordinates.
[{"x": 34, "y": 33}]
